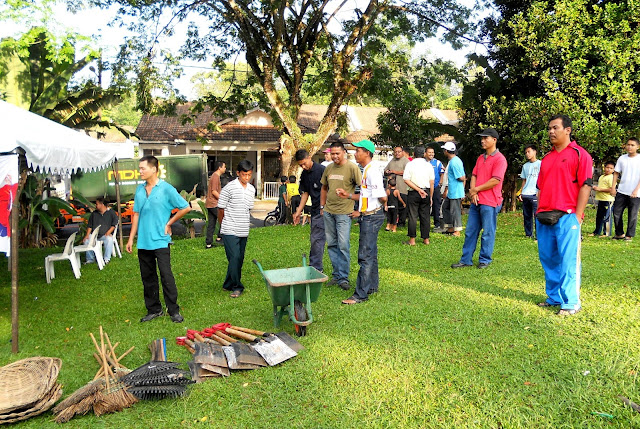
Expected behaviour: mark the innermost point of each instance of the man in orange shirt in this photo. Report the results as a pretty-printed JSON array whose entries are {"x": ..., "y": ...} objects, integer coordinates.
[{"x": 213, "y": 194}]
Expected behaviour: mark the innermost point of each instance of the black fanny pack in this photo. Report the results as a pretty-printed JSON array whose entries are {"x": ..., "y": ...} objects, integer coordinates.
[{"x": 550, "y": 218}]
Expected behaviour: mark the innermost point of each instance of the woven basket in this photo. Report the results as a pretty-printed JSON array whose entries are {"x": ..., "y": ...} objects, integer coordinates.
[
  {"x": 40, "y": 407},
  {"x": 26, "y": 382}
]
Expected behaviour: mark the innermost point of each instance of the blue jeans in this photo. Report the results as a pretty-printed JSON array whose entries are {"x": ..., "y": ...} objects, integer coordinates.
[
  {"x": 368, "y": 277},
  {"x": 485, "y": 218},
  {"x": 107, "y": 248},
  {"x": 529, "y": 209},
  {"x": 602, "y": 217},
  {"x": 317, "y": 238},
  {"x": 234, "y": 248},
  {"x": 337, "y": 228},
  {"x": 559, "y": 250}
]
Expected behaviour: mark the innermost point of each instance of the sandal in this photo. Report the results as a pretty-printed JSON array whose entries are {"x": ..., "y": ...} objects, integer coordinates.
[
  {"x": 568, "y": 312},
  {"x": 406, "y": 243},
  {"x": 353, "y": 300},
  {"x": 545, "y": 304},
  {"x": 235, "y": 293},
  {"x": 628, "y": 239}
]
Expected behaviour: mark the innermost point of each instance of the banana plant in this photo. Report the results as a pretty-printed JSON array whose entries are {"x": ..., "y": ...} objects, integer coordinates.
[
  {"x": 38, "y": 212},
  {"x": 188, "y": 219}
]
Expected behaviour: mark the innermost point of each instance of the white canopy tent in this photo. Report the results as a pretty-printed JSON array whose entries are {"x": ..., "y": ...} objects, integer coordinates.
[{"x": 50, "y": 148}]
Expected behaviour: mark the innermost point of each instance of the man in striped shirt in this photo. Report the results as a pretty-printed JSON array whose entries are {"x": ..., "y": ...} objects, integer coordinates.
[
  {"x": 370, "y": 215},
  {"x": 236, "y": 199}
]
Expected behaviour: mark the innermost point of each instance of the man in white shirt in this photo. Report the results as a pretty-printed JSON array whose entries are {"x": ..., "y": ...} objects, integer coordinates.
[
  {"x": 419, "y": 177},
  {"x": 327, "y": 157},
  {"x": 628, "y": 166},
  {"x": 236, "y": 199},
  {"x": 370, "y": 216}
]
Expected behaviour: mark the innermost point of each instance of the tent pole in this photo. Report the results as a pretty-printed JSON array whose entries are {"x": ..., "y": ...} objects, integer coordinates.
[
  {"x": 15, "y": 238},
  {"x": 116, "y": 177}
]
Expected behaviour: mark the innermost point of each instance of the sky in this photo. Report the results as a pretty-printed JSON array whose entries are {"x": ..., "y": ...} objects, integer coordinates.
[{"x": 94, "y": 23}]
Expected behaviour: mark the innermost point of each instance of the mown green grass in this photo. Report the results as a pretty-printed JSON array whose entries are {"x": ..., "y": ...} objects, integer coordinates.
[{"x": 435, "y": 348}]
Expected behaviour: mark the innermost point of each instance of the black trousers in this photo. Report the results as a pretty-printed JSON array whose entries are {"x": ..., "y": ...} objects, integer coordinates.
[
  {"x": 435, "y": 208},
  {"x": 234, "y": 249},
  {"x": 148, "y": 260},
  {"x": 211, "y": 224},
  {"x": 632, "y": 204},
  {"x": 402, "y": 210},
  {"x": 419, "y": 208}
]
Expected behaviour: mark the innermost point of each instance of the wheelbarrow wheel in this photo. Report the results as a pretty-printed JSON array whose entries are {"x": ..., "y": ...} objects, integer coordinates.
[{"x": 301, "y": 316}]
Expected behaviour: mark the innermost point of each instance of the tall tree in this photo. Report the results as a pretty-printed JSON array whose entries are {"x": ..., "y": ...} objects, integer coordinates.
[
  {"x": 281, "y": 42},
  {"x": 579, "y": 57},
  {"x": 407, "y": 93}
]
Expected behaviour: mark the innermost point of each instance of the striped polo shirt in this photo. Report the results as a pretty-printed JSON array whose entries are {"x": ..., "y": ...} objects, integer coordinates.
[{"x": 236, "y": 201}]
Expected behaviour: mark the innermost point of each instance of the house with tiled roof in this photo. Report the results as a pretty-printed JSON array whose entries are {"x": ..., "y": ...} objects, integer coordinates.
[{"x": 251, "y": 137}]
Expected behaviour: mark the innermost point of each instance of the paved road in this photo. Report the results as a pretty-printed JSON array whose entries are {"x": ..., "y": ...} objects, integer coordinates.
[{"x": 259, "y": 212}]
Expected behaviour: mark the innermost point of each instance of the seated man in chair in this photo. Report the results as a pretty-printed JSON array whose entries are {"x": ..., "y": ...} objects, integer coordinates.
[{"x": 107, "y": 219}]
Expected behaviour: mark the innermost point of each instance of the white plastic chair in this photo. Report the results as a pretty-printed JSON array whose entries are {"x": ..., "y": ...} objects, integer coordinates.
[
  {"x": 68, "y": 254},
  {"x": 94, "y": 246},
  {"x": 116, "y": 245}
]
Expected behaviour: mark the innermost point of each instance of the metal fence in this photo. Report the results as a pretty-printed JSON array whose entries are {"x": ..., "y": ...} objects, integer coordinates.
[{"x": 270, "y": 190}]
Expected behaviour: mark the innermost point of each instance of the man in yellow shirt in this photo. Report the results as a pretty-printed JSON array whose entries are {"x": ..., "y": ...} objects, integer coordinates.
[{"x": 604, "y": 199}]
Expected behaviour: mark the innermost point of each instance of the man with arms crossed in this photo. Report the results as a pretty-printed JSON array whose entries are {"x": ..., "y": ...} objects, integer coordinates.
[
  {"x": 565, "y": 184},
  {"x": 153, "y": 203},
  {"x": 336, "y": 211}
]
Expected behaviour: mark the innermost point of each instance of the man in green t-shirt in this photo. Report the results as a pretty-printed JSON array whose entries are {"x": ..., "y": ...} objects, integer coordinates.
[{"x": 336, "y": 211}]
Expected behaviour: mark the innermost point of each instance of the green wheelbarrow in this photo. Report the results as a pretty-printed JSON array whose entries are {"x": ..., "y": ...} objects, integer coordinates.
[{"x": 292, "y": 291}]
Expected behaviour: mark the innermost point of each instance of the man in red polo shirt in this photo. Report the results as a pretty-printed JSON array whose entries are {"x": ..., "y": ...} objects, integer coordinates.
[
  {"x": 485, "y": 193},
  {"x": 564, "y": 186}
]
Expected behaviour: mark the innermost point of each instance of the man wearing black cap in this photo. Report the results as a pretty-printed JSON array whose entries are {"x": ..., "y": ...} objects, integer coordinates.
[{"x": 485, "y": 193}]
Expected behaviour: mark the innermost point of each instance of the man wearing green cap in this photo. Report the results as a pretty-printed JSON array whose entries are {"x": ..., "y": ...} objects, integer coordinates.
[{"x": 370, "y": 217}]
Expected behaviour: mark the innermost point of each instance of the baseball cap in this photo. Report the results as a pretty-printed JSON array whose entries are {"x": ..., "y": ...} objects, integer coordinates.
[
  {"x": 366, "y": 144},
  {"x": 327, "y": 150},
  {"x": 449, "y": 146},
  {"x": 489, "y": 132}
]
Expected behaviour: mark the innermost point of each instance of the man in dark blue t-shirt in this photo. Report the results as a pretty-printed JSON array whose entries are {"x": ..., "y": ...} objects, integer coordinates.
[{"x": 310, "y": 186}]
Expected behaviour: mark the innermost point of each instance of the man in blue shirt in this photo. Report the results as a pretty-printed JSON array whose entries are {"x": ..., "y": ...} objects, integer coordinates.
[
  {"x": 438, "y": 170},
  {"x": 528, "y": 193},
  {"x": 153, "y": 203},
  {"x": 454, "y": 192}
]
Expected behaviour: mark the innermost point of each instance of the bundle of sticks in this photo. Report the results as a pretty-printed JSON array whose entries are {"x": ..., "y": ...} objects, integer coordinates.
[
  {"x": 217, "y": 350},
  {"x": 105, "y": 393}
]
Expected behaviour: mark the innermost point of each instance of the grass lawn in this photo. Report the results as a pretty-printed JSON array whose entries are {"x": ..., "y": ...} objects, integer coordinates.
[{"x": 435, "y": 348}]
